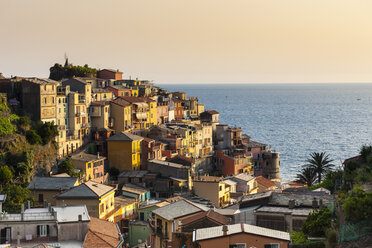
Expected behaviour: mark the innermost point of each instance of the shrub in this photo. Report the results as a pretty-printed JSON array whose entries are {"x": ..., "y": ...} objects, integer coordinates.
[
  {"x": 33, "y": 138},
  {"x": 317, "y": 222},
  {"x": 299, "y": 238},
  {"x": 332, "y": 239},
  {"x": 6, "y": 126}
]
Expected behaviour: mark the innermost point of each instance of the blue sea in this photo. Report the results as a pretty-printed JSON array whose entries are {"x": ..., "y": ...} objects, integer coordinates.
[{"x": 295, "y": 119}]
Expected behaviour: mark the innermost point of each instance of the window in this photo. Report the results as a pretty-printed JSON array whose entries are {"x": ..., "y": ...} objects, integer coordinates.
[
  {"x": 272, "y": 246},
  {"x": 61, "y": 134},
  {"x": 142, "y": 216},
  {"x": 41, "y": 197},
  {"x": 92, "y": 110},
  {"x": 134, "y": 157},
  {"x": 59, "y": 110},
  {"x": 42, "y": 230},
  {"x": 59, "y": 100},
  {"x": 53, "y": 100},
  {"x": 45, "y": 101},
  {"x": 122, "y": 94},
  {"x": 104, "y": 96},
  {"x": 106, "y": 109}
]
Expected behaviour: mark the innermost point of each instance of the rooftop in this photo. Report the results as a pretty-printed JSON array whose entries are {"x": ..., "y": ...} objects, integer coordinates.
[
  {"x": 119, "y": 87},
  {"x": 102, "y": 233},
  {"x": 100, "y": 90},
  {"x": 111, "y": 70},
  {"x": 87, "y": 190},
  {"x": 100, "y": 103},
  {"x": 207, "y": 179},
  {"x": 166, "y": 163},
  {"x": 254, "y": 144},
  {"x": 212, "y": 112},
  {"x": 216, "y": 232},
  {"x": 86, "y": 157},
  {"x": 210, "y": 214},
  {"x": 36, "y": 80},
  {"x": 124, "y": 136},
  {"x": 120, "y": 102},
  {"x": 52, "y": 183},
  {"x": 139, "y": 173},
  {"x": 71, "y": 213},
  {"x": 124, "y": 201},
  {"x": 134, "y": 99},
  {"x": 242, "y": 176},
  {"x": 265, "y": 182},
  {"x": 176, "y": 210},
  {"x": 133, "y": 189}
]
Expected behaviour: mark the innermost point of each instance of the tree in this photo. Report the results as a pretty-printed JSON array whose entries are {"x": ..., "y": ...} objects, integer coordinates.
[
  {"x": 47, "y": 131},
  {"x": 6, "y": 126},
  {"x": 66, "y": 166},
  {"x": 16, "y": 196},
  {"x": 6, "y": 175},
  {"x": 114, "y": 173},
  {"x": 317, "y": 222},
  {"x": 366, "y": 153},
  {"x": 358, "y": 205},
  {"x": 307, "y": 176},
  {"x": 320, "y": 163},
  {"x": 33, "y": 138}
]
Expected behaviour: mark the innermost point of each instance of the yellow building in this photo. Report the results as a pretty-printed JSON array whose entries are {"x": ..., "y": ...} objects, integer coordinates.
[
  {"x": 99, "y": 94},
  {"x": 91, "y": 165},
  {"x": 124, "y": 151},
  {"x": 134, "y": 91},
  {"x": 121, "y": 114},
  {"x": 144, "y": 111},
  {"x": 169, "y": 218},
  {"x": 98, "y": 198},
  {"x": 212, "y": 189}
]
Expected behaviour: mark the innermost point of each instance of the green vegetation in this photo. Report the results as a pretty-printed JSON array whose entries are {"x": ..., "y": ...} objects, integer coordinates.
[
  {"x": 6, "y": 175},
  {"x": 357, "y": 205},
  {"x": 20, "y": 143},
  {"x": 66, "y": 166},
  {"x": 317, "y": 223},
  {"x": 307, "y": 176},
  {"x": 299, "y": 238},
  {"x": 58, "y": 72},
  {"x": 320, "y": 163},
  {"x": 16, "y": 196}
]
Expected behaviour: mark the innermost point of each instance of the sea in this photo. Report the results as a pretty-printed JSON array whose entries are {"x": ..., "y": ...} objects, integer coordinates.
[{"x": 294, "y": 119}]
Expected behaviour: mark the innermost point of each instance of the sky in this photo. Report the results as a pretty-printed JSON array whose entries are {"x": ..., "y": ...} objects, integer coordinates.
[{"x": 193, "y": 41}]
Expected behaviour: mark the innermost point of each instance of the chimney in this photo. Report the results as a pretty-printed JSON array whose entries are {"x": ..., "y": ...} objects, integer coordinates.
[
  {"x": 224, "y": 230},
  {"x": 97, "y": 154},
  {"x": 28, "y": 204},
  {"x": 291, "y": 204},
  {"x": 315, "y": 203}
]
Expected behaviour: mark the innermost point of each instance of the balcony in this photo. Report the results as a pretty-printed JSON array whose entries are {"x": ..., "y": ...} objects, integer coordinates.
[
  {"x": 85, "y": 125},
  {"x": 61, "y": 127},
  {"x": 80, "y": 113},
  {"x": 160, "y": 233}
]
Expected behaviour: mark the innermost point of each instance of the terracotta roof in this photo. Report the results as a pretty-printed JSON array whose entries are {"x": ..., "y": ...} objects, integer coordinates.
[
  {"x": 210, "y": 214},
  {"x": 100, "y": 103},
  {"x": 102, "y": 233},
  {"x": 120, "y": 102},
  {"x": 265, "y": 182}
]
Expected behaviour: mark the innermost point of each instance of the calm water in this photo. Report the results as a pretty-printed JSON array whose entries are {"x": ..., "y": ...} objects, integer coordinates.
[{"x": 294, "y": 119}]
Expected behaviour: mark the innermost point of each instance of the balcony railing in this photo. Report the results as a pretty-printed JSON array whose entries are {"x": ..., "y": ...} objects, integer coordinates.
[
  {"x": 61, "y": 127},
  {"x": 80, "y": 113},
  {"x": 85, "y": 125}
]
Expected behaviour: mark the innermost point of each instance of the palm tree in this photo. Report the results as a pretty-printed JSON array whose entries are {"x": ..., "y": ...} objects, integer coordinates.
[
  {"x": 320, "y": 163},
  {"x": 307, "y": 176}
]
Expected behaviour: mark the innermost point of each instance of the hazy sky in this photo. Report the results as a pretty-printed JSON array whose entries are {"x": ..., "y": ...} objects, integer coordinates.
[{"x": 193, "y": 41}]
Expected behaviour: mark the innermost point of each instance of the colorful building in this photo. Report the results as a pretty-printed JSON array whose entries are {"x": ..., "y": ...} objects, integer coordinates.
[
  {"x": 119, "y": 90},
  {"x": 110, "y": 74},
  {"x": 124, "y": 151},
  {"x": 121, "y": 114},
  {"x": 212, "y": 189},
  {"x": 93, "y": 166}
]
